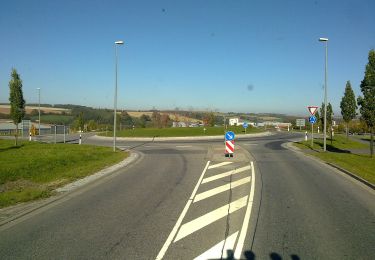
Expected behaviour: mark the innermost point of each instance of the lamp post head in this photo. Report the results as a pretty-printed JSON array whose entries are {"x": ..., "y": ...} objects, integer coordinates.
[
  {"x": 323, "y": 39},
  {"x": 119, "y": 42}
]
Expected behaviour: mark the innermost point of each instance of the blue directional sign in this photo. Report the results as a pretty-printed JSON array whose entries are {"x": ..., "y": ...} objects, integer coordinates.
[
  {"x": 229, "y": 136},
  {"x": 312, "y": 119},
  {"x": 245, "y": 125}
]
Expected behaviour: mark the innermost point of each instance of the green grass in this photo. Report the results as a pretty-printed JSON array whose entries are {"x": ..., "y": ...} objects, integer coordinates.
[
  {"x": 181, "y": 131},
  {"x": 344, "y": 153},
  {"x": 32, "y": 170}
]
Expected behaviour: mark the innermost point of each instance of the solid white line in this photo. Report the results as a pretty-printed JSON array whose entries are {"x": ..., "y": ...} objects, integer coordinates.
[
  {"x": 225, "y": 174},
  {"x": 219, "y": 165},
  {"x": 167, "y": 243},
  {"x": 246, "y": 220},
  {"x": 202, "y": 221},
  {"x": 220, "y": 189},
  {"x": 183, "y": 146},
  {"x": 215, "y": 251}
]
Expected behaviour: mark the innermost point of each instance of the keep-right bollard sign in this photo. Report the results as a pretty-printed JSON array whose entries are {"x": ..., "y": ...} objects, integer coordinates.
[{"x": 229, "y": 144}]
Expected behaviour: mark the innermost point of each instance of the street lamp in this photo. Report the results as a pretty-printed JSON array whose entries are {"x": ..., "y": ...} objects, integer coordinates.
[
  {"x": 115, "y": 101},
  {"x": 325, "y": 95},
  {"x": 39, "y": 109}
]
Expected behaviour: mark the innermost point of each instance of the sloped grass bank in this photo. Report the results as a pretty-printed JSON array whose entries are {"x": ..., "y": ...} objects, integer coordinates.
[
  {"x": 347, "y": 154},
  {"x": 33, "y": 170}
]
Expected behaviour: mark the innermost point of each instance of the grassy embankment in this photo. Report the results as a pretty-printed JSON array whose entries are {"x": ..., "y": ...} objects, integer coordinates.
[
  {"x": 348, "y": 154},
  {"x": 33, "y": 170},
  {"x": 181, "y": 131}
]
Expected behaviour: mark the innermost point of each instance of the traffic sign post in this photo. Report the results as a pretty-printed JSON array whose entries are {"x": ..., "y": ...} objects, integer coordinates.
[
  {"x": 312, "y": 120},
  {"x": 245, "y": 125},
  {"x": 229, "y": 144}
]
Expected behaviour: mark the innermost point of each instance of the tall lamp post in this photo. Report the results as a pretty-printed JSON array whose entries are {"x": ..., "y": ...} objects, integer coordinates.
[
  {"x": 325, "y": 40},
  {"x": 115, "y": 101},
  {"x": 39, "y": 108}
]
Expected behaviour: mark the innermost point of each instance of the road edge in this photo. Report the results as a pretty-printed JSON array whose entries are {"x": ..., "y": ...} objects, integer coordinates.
[
  {"x": 290, "y": 146},
  {"x": 20, "y": 210}
]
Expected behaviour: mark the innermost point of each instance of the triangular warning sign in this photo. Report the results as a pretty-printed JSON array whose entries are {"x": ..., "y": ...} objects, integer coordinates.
[{"x": 312, "y": 109}]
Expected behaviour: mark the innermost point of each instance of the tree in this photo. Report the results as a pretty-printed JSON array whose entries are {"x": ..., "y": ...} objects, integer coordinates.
[
  {"x": 329, "y": 118},
  {"x": 348, "y": 106},
  {"x": 367, "y": 102},
  {"x": 17, "y": 103},
  {"x": 317, "y": 115}
]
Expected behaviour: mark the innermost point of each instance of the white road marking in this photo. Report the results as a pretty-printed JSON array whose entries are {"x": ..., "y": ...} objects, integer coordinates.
[
  {"x": 219, "y": 165},
  {"x": 183, "y": 146},
  {"x": 249, "y": 144},
  {"x": 220, "y": 189},
  {"x": 209, "y": 218},
  {"x": 215, "y": 251},
  {"x": 225, "y": 174},
  {"x": 246, "y": 220},
  {"x": 167, "y": 243}
]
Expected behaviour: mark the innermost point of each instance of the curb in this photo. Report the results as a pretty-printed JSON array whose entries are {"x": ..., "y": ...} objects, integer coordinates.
[
  {"x": 12, "y": 213},
  {"x": 298, "y": 150},
  {"x": 191, "y": 138}
]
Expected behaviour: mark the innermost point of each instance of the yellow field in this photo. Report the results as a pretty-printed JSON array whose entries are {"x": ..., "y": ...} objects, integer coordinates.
[{"x": 5, "y": 109}]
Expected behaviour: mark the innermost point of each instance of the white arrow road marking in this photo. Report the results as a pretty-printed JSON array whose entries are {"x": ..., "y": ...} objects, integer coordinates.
[
  {"x": 210, "y": 217},
  {"x": 246, "y": 220},
  {"x": 220, "y": 189},
  {"x": 219, "y": 165},
  {"x": 225, "y": 174},
  {"x": 215, "y": 251},
  {"x": 167, "y": 243}
]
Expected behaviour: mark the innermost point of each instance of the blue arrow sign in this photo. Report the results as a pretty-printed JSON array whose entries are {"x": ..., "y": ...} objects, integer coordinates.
[
  {"x": 312, "y": 119},
  {"x": 229, "y": 136},
  {"x": 245, "y": 125}
]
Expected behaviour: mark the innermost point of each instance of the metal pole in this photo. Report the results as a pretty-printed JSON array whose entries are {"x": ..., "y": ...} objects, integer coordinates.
[
  {"x": 115, "y": 102},
  {"x": 39, "y": 108},
  {"x": 312, "y": 135},
  {"x": 55, "y": 133},
  {"x": 64, "y": 135},
  {"x": 325, "y": 99}
]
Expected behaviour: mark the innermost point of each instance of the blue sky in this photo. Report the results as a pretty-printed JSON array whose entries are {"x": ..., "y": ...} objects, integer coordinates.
[{"x": 245, "y": 56}]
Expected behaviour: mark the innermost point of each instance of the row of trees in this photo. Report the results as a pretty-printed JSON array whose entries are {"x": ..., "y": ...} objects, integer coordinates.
[{"x": 366, "y": 102}]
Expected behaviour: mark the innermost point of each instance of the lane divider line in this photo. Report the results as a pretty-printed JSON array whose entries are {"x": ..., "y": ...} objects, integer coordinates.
[
  {"x": 220, "y": 189},
  {"x": 219, "y": 165},
  {"x": 215, "y": 251},
  {"x": 246, "y": 220},
  {"x": 225, "y": 174},
  {"x": 202, "y": 221},
  {"x": 169, "y": 240}
]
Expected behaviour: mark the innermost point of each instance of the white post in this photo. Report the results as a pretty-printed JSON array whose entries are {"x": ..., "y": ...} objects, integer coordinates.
[
  {"x": 30, "y": 136},
  {"x": 318, "y": 129},
  {"x": 64, "y": 134},
  {"x": 306, "y": 136},
  {"x": 80, "y": 139},
  {"x": 55, "y": 133}
]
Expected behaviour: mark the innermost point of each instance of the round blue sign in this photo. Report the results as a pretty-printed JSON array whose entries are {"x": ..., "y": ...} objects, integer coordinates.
[
  {"x": 245, "y": 125},
  {"x": 229, "y": 136},
  {"x": 312, "y": 119}
]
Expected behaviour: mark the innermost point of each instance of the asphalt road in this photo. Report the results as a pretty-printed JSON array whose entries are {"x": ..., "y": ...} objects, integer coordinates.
[{"x": 183, "y": 200}]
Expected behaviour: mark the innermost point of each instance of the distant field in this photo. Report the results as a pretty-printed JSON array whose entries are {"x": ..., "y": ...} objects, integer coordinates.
[
  {"x": 181, "y": 131},
  {"x": 5, "y": 109}
]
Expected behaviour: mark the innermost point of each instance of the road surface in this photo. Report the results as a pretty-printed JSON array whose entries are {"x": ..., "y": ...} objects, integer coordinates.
[{"x": 185, "y": 200}]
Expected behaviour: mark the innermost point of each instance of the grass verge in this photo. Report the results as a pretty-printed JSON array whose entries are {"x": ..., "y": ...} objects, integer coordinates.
[
  {"x": 33, "y": 170},
  {"x": 181, "y": 131},
  {"x": 347, "y": 154}
]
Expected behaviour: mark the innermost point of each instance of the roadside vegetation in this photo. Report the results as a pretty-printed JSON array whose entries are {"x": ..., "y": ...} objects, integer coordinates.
[
  {"x": 33, "y": 170},
  {"x": 345, "y": 153},
  {"x": 181, "y": 131}
]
